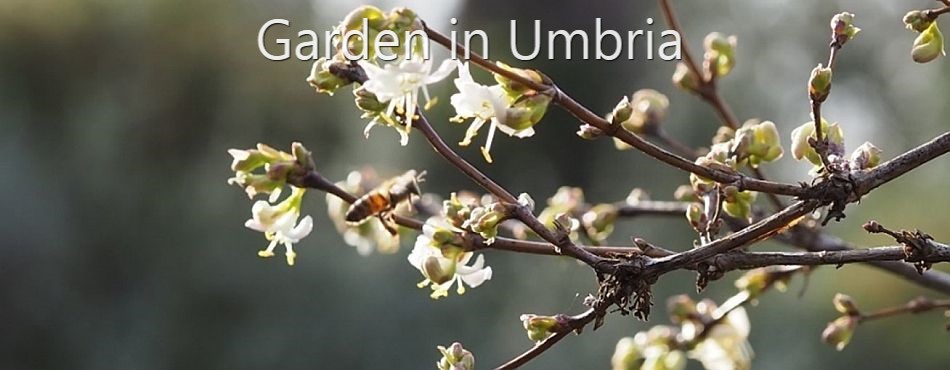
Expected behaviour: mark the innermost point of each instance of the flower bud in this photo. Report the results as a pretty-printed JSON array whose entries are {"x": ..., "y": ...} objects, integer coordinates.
[
  {"x": 627, "y": 355},
  {"x": 485, "y": 221},
  {"x": 588, "y": 132},
  {"x": 455, "y": 212},
  {"x": 842, "y": 27},
  {"x": 819, "y": 84},
  {"x": 685, "y": 193},
  {"x": 354, "y": 21},
  {"x": 247, "y": 160},
  {"x": 636, "y": 196},
  {"x": 928, "y": 45},
  {"x": 323, "y": 80},
  {"x": 599, "y": 221},
  {"x": 403, "y": 19},
  {"x": 801, "y": 148},
  {"x": 525, "y": 200},
  {"x": 681, "y": 308},
  {"x": 739, "y": 205},
  {"x": 838, "y": 333},
  {"x": 723, "y": 134},
  {"x": 845, "y": 304},
  {"x": 621, "y": 145},
  {"x": 720, "y": 53},
  {"x": 865, "y": 157},
  {"x": 302, "y": 156},
  {"x": 622, "y": 112},
  {"x": 541, "y": 327},
  {"x": 649, "y": 110},
  {"x": 514, "y": 88},
  {"x": 696, "y": 217},
  {"x": 684, "y": 78},
  {"x": 526, "y": 111},
  {"x": 917, "y": 21},
  {"x": 456, "y": 358},
  {"x": 754, "y": 282}
]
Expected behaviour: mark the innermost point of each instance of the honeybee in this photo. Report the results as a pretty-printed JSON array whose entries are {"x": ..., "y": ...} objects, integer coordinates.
[{"x": 382, "y": 200}]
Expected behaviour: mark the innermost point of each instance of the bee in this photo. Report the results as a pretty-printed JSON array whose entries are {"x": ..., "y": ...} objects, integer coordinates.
[{"x": 382, "y": 200}]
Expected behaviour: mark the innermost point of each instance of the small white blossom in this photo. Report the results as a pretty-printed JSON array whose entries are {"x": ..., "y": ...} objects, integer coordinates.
[
  {"x": 279, "y": 224},
  {"x": 727, "y": 346},
  {"x": 444, "y": 264},
  {"x": 483, "y": 104},
  {"x": 399, "y": 84}
]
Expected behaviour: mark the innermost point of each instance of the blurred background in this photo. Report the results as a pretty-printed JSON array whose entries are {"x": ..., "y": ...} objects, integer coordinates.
[{"x": 123, "y": 247}]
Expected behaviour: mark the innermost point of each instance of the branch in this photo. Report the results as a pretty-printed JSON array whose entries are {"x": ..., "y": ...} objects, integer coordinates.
[
  {"x": 894, "y": 168},
  {"x": 753, "y": 233},
  {"x": 915, "y": 306},
  {"x": 750, "y": 260},
  {"x": 812, "y": 240},
  {"x": 584, "y": 114},
  {"x": 575, "y": 324}
]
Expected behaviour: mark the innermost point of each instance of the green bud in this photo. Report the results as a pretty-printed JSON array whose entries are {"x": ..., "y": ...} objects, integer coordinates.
[
  {"x": 819, "y": 84},
  {"x": 845, "y": 304},
  {"x": 758, "y": 141},
  {"x": 455, "y": 211},
  {"x": 723, "y": 134},
  {"x": 485, "y": 221},
  {"x": 456, "y": 358},
  {"x": 403, "y": 19},
  {"x": 649, "y": 108},
  {"x": 754, "y": 281},
  {"x": 681, "y": 308},
  {"x": 627, "y": 355},
  {"x": 621, "y": 113},
  {"x": 739, "y": 204},
  {"x": 621, "y": 145},
  {"x": 540, "y": 327},
  {"x": 527, "y": 111},
  {"x": 514, "y": 88},
  {"x": 917, "y": 21},
  {"x": 842, "y": 27},
  {"x": 303, "y": 156},
  {"x": 839, "y": 332},
  {"x": 323, "y": 80},
  {"x": 720, "y": 53},
  {"x": 599, "y": 221},
  {"x": 928, "y": 45},
  {"x": 865, "y": 157},
  {"x": 375, "y": 19},
  {"x": 685, "y": 79},
  {"x": 685, "y": 193}
]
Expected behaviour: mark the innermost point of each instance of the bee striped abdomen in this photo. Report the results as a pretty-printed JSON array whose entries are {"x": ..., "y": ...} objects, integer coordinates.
[{"x": 367, "y": 206}]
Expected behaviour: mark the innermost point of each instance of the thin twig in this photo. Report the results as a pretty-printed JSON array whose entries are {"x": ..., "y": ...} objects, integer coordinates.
[{"x": 918, "y": 305}]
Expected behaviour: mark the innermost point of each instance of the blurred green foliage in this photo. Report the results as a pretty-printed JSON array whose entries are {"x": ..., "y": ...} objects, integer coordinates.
[{"x": 124, "y": 248}]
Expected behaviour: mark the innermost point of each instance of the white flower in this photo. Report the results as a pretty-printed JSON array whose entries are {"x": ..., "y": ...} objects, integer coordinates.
[
  {"x": 399, "y": 84},
  {"x": 727, "y": 346},
  {"x": 443, "y": 265},
  {"x": 484, "y": 104},
  {"x": 279, "y": 224}
]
